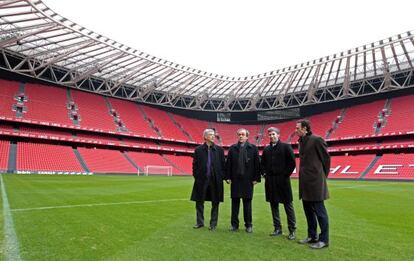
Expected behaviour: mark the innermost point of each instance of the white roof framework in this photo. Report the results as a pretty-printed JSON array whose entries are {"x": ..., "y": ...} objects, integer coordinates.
[{"x": 38, "y": 42}]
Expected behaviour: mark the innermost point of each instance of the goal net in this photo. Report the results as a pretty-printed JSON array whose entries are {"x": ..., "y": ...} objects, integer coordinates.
[{"x": 158, "y": 170}]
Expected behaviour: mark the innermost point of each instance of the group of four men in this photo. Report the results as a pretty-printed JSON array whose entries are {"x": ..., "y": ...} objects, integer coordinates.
[{"x": 243, "y": 169}]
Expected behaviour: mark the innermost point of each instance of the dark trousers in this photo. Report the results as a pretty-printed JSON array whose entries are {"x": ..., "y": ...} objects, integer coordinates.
[
  {"x": 290, "y": 214},
  {"x": 247, "y": 212},
  {"x": 315, "y": 212},
  {"x": 200, "y": 213}
]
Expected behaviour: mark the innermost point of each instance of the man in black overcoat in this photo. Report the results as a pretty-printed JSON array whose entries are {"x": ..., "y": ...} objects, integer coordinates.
[
  {"x": 313, "y": 189},
  {"x": 278, "y": 163},
  {"x": 209, "y": 173},
  {"x": 243, "y": 172}
]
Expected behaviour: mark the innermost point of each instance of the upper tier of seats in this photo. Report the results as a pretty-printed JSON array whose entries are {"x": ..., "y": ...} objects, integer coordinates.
[
  {"x": 325, "y": 122},
  {"x": 227, "y": 133},
  {"x": 193, "y": 127},
  {"x": 93, "y": 111},
  {"x": 50, "y": 104},
  {"x": 131, "y": 116},
  {"x": 359, "y": 120},
  {"x": 8, "y": 91},
  {"x": 400, "y": 115},
  {"x": 164, "y": 123},
  {"x": 46, "y": 103}
]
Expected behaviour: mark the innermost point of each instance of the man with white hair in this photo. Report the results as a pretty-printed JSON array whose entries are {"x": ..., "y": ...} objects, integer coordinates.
[
  {"x": 278, "y": 163},
  {"x": 208, "y": 172},
  {"x": 243, "y": 172}
]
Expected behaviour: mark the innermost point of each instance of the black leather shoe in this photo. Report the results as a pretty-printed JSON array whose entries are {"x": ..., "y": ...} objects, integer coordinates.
[
  {"x": 275, "y": 233},
  {"x": 292, "y": 235},
  {"x": 318, "y": 245},
  {"x": 234, "y": 229},
  {"x": 249, "y": 229},
  {"x": 197, "y": 226},
  {"x": 212, "y": 228},
  {"x": 308, "y": 240}
]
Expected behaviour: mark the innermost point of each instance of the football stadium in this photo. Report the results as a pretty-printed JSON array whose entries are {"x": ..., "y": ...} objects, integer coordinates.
[{"x": 98, "y": 140}]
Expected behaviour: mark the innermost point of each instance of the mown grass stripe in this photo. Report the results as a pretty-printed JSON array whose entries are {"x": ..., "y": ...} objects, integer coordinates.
[
  {"x": 12, "y": 251},
  {"x": 99, "y": 204}
]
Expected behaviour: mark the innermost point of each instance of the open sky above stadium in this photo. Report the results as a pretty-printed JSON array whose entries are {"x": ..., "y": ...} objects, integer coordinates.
[{"x": 240, "y": 38}]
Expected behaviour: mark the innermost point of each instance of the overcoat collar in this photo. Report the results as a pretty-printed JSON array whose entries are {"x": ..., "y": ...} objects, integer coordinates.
[
  {"x": 305, "y": 138},
  {"x": 213, "y": 146},
  {"x": 247, "y": 144},
  {"x": 276, "y": 144}
]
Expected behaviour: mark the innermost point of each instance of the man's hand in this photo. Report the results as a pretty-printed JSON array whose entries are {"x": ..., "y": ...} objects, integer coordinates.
[
  {"x": 254, "y": 182},
  {"x": 228, "y": 181}
]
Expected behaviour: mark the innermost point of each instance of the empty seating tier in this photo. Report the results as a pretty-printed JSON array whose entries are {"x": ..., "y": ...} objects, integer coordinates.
[
  {"x": 164, "y": 123},
  {"x": 47, "y": 104},
  {"x": 27, "y": 108},
  {"x": 8, "y": 90},
  {"x": 106, "y": 161},
  {"x": 93, "y": 111},
  {"x": 349, "y": 167},
  {"x": 400, "y": 115},
  {"x": 132, "y": 117},
  {"x": 4, "y": 152},
  {"x": 150, "y": 162},
  {"x": 359, "y": 120},
  {"x": 393, "y": 166},
  {"x": 193, "y": 127},
  {"x": 46, "y": 157},
  {"x": 184, "y": 163}
]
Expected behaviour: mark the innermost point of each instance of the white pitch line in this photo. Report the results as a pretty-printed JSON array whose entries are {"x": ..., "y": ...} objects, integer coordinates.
[
  {"x": 99, "y": 204},
  {"x": 138, "y": 202},
  {"x": 12, "y": 251}
]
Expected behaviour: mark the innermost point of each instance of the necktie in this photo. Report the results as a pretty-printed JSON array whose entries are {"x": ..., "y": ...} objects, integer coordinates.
[{"x": 208, "y": 162}]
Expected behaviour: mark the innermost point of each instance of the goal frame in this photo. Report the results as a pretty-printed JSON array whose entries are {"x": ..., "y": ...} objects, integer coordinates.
[{"x": 168, "y": 172}]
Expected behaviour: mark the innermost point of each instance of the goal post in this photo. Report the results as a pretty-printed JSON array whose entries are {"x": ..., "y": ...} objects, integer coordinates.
[{"x": 158, "y": 170}]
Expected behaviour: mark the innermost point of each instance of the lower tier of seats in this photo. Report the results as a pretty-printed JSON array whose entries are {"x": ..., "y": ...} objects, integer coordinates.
[{"x": 42, "y": 158}]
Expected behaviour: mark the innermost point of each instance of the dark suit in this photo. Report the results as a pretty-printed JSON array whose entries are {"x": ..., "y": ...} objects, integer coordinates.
[
  {"x": 242, "y": 171},
  {"x": 208, "y": 186},
  {"x": 278, "y": 163},
  {"x": 313, "y": 190}
]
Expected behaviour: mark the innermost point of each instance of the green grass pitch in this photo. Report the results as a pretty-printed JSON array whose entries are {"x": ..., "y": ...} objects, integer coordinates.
[{"x": 151, "y": 218}]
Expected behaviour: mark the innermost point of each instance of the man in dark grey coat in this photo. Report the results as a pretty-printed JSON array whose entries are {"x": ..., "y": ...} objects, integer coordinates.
[
  {"x": 278, "y": 163},
  {"x": 243, "y": 172},
  {"x": 313, "y": 190},
  {"x": 208, "y": 172}
]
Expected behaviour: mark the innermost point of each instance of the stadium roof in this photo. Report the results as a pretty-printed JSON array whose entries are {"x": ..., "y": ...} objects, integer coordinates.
[{"x": 40, "y": 43}]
